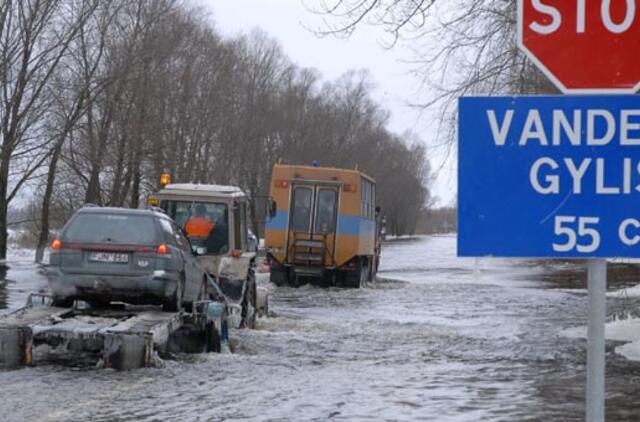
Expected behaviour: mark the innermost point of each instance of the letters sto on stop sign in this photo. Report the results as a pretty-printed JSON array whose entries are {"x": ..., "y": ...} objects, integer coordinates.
[{"x": 583, "y": 46}]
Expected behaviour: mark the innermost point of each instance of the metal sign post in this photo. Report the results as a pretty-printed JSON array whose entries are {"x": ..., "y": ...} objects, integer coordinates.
[{"x": 597, "y": 280}]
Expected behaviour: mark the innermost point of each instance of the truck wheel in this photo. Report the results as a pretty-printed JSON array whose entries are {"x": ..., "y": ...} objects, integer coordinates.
[
  {"x": 374, "y": 271},
  {"x": 174, "y": 303},
  {"x": 358, "y": 278},
  {"x": 279, "y": 277},
  {"x": 365, "y": 275}
]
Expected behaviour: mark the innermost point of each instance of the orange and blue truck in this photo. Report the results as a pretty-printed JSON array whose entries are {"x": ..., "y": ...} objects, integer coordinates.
[{"x": 325, "y": 228}]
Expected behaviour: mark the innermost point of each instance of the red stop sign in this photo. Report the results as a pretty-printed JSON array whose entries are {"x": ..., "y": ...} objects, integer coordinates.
[{"x": 583, "y": 46}]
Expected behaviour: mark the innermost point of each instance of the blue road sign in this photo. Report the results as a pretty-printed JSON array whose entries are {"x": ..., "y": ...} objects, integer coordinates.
[{"x": 555, "y": 176}]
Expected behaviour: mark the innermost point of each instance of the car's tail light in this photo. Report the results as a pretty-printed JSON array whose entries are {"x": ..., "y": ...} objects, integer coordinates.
[
  {"x": 235, "y": 253},
  {"x": 56, "y": 245},
  {"x": 162, "y": 249}
]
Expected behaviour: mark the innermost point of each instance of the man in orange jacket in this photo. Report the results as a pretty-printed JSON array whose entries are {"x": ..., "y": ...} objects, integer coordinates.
[{"x": 199, "y": 225}]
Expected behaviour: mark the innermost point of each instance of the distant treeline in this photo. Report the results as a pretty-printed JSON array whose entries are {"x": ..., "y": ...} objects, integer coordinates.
[
  {"x": 100, "y": 97},
  {"x": 438, "y": 220}
]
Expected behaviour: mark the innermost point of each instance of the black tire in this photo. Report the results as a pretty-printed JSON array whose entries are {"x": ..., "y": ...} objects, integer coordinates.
[
  {"x": 249, "y": 309},
  {"x": 62, "y": 302},
  {"x": 212, "y": 338},
  {"x": 328, "y": 280},
  {"x": 358, "y": 278},
  {"x": 232, "y": 289},
  {"x": 174, "y": 304},
  {"x": 279, "y": 277},
  {"x": 365, "y": 276}
]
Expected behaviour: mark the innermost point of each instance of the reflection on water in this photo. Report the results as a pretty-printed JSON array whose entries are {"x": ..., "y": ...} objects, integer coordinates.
[
  {"x": 19, "y": 278},
  {"x": 440, "y": 339}
]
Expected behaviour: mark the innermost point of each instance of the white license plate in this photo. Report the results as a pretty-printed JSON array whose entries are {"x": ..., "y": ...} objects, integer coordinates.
[{"x": 118, "y": 258}]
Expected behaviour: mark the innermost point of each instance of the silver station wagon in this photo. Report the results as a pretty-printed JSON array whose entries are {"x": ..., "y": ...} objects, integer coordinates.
[{"x": 124, "y": 255}]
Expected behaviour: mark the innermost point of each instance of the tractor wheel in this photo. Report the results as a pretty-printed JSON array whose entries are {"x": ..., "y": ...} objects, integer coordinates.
[{"x": 249, "y": 304}]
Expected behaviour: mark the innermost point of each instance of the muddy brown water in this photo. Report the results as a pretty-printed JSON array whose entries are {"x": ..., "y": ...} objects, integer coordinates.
[{"x": 437, "y": 338}]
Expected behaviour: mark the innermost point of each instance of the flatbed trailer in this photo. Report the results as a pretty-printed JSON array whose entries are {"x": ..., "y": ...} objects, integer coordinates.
[{"x": 121, "y": 338}]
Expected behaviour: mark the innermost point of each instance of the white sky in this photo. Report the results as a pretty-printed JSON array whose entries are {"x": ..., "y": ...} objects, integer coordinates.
[{"x": 288, "y": 20}]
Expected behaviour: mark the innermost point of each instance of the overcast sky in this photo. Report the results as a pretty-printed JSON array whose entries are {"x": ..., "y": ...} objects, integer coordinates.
[{"x": 288, "y": 22}]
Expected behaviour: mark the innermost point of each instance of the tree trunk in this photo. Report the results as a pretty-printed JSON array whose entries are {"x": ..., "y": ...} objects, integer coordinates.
[
  {"x": 116, "y": 198},
  {"x": 137, "y": 176},
  {"x": 43, "y": 238},
  {"x": 4, "y": 206},
  {"x": 93, "y": 190}
]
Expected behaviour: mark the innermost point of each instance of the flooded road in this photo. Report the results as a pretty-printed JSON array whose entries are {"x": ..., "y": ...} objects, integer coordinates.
[{"x": 438, "y": 338}]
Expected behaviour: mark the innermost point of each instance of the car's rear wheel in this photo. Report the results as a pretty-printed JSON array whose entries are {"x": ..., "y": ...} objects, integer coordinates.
[{"x": 174, "y": 303}]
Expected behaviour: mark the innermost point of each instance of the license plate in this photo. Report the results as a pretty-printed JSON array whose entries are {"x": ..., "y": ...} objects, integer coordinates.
[{"x": 118, "y": 258}]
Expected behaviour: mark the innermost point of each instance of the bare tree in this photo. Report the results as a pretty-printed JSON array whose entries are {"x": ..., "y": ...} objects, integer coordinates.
[
  {"x": 460, "y": 47},
  {"x": 35, "y": 36},
  {"x": 146, "y": 87},
  {"x": 74, "y": 85}
]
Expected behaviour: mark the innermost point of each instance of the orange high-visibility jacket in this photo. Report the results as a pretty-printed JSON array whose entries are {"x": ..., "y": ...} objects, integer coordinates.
[{"x": 198, "y": 226}]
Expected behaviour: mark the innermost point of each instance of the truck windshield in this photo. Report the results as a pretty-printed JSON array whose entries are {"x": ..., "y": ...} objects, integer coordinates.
[{"x": 206, "y": 224}]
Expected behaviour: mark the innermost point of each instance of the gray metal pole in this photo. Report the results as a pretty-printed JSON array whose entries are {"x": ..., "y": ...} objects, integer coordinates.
[{"x": 597, "y": 275}]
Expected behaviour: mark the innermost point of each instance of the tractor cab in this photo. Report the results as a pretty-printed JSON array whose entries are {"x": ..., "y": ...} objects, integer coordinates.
[{"x": 212, "y": 217}]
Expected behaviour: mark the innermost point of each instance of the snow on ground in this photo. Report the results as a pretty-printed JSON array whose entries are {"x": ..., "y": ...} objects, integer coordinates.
[
  {"x": 633, "y": 291},
  {"x": 625, "y": 329},
  {"x": 15, "y": 254},
  {"x": 630, "y": 351},
  {"x": 624, "y": 260}
]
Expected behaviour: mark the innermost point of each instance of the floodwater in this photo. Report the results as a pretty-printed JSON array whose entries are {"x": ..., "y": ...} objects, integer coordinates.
[{"x": 437, "y": 338}]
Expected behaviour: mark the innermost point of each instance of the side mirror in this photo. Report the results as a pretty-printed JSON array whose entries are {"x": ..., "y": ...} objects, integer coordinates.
[{"x": 273, "y": 208}]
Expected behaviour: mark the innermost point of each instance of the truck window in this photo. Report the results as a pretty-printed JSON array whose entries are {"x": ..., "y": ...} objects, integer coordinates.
[
  {"x": 243, "y": 225},
  {"x": 205, "y": 223},
  {"x": 301, "y": 209},
  {"x": 240, "y": 226},
  {"x": 373, "y": 200},
  {"x": 326, "y": 211}
]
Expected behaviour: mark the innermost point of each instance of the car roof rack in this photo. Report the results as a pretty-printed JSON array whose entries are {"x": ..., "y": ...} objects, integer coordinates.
[{"x": 90, "y": 205}]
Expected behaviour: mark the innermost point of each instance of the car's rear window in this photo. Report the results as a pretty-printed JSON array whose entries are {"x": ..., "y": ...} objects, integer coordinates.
[{"x": 112, "y": 228}]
